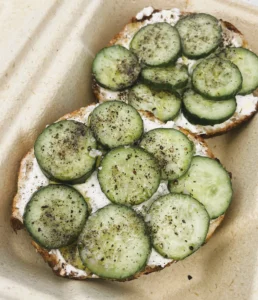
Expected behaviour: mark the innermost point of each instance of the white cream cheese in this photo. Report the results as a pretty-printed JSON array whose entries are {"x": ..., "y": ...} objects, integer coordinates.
[
  {"x": 181, "y": 121},
  {"x": 200, "y": 149},
  {"x": 147, "y": 11},
  {"x": 152, "y": 124},
  {"x": 236, "y": 41},
  {"x": 66, "y": 269},
  {"x": 170, "y": 16},
  {"x": 156, "y": 259},
  {"x": 161, "y": 191},
  {"x": 33, "y": 180},
  {"x": 92, "y": 192},
  {"x": 112, "y": 95},
  {"x": 95, "y": 153},
  {"x": 246, "y": 104},
  {"x": 231, "y": 38},
  {"x": 83, "y": 117}
]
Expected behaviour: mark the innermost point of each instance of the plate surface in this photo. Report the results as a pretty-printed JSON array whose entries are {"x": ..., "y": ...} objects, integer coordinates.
[{"x": 46, "y": 53}]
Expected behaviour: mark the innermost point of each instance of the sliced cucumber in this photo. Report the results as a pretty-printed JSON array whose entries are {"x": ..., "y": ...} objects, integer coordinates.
[
  {"x": 55, "y": 216},
  {"x": 200, "y": 34},
  {"x": 63, "y": 150},
  {"x": 166, "y": 78},
  {"x": 156, "y": 44},
  {"x": 173, "y": 150},
  {"x": 71, "y": 255},
  {"x": 115, "y": 123},
  {"x": 179, "y": 225},
  {"x": 199, "y": 110},
  {"x": 129, "y": 175},
  {"x": 247, "y": 62},
  {"x": 216, "y": 78},
  {"x": 114, "y": 243},
  {"x": 115, "y": 68},
  {"x": 208, "y": 182},
  {"x": 164, "y": 105}
]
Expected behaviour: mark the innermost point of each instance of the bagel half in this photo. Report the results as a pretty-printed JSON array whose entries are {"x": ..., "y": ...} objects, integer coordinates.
[
  {"x": 31, "y": 179},
  {"x": 247, "y": 105}
]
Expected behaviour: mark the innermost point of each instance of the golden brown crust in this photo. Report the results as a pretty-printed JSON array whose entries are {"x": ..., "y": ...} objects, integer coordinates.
[
  {"x": 136, "y": 24},
  {"x": 77, "y": 113},
  {"x": 213, "y": 226},
  {"x": 53, "y": 262},
  {"x": 16, "y": 223},
  {"x": 15, "y": 220},
  {"x": 50, "y": 258}
]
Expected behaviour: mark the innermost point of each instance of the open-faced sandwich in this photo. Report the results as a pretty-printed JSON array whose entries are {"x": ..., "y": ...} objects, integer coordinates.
[
  {"x": 187, "y": 67},
  {"x": 110, "y": 192}
]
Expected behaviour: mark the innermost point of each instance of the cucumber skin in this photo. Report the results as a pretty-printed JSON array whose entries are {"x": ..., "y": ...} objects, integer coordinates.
[
  {"x": 206, "y": 53},
  {"x": 196, "y": 120},
  {"x": 106, "y": 87},
  {"x": 104, "y": 147},
  {"x": 113, "y": 90},
  {"x": 167, "y": 64},
  {"x": 74, "y": 181},
  {"x": 203, "y": 55},
  {"x": 79, "y": 180},
  {"x": 34, "y": 238},
  {"x": 172, "y": 61},
  {"x": 203, "y": 242},
  {"x": 151, "y": 87},
  {"x": 251, "y": 90},
  {"x": 170, "y": 184},
  {"x": 192, "y": 150},
  {"x": 141, "y": 268},
  {"x": 163, "y": 86},
  {"x": 226, "y": 97},
  {"x": 102, "y": 186}
]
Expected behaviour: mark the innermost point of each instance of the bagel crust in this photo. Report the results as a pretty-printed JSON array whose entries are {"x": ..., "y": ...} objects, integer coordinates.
[
  {"x": 247, "y": 105},
  {"x": 29, "y": 168}
]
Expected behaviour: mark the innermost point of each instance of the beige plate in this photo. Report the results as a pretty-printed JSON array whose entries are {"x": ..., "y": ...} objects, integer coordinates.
[{"x": 46, "y": 52}]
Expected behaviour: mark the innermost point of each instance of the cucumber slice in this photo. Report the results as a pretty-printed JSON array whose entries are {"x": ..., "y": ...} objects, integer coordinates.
[
  {"x": 115, "y": 68},
  {"x": 114, "y": 243},
  {"x": 200, "y": 34},
  {"x": 63, "y": 150},
  {"x": 216, "y": 78},
  {"x": 129, "y": 176},
  {"x": 208, "y": 182},
  {"x": 173, "y": 150},
  {"x": 163, "y": 104},
  {"x": 115, "y": 123},
  {"x": 71, "y": 255},
  {"x": 247, "y": 63},
  {"x": 179, "y": 225},
  {"x": 156, "y": 44},
  {"x": 199, "y": 110},
  {"x": 55, "y": 216},
  {"x": 166, "y": 78}
]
